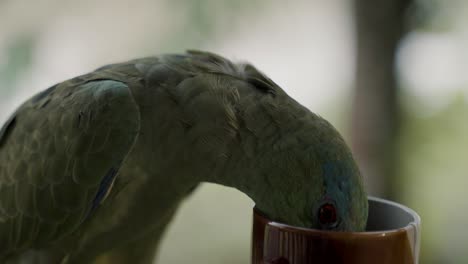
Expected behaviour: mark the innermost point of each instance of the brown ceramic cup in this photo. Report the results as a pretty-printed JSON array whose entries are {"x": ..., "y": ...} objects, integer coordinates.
[{"x": 392, "y": 236}]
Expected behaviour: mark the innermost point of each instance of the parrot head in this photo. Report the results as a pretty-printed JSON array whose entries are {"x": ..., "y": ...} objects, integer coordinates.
[
  {"x": 313, "y": 180},
  {"x": 309, "y": 176}
]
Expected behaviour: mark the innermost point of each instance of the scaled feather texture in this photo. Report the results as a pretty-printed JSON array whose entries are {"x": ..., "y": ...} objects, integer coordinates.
[{"x": 97, "y": 165}]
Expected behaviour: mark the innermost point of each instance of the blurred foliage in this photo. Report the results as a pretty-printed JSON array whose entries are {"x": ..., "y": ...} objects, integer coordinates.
[
  {"x": 17, "y": 59},
  {"x": 210, "y": 227},
  {"x": 433, "y": 157},
  {"x": 433, "y": 15},
  {"x": 207, "y": 19}
]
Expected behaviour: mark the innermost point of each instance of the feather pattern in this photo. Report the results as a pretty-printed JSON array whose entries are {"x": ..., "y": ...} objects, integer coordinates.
[{"x": 46, "y": 181}]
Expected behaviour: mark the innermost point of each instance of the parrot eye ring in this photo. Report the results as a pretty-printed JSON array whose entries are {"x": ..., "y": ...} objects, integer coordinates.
[{"x": 327, "y": 215}]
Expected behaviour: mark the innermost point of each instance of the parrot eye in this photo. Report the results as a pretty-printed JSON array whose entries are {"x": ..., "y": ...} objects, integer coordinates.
[{"x": 327, "y": 215}]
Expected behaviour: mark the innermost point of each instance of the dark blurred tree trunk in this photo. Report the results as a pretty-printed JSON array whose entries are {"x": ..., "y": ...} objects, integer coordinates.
[{"x": 380, "y": 26}]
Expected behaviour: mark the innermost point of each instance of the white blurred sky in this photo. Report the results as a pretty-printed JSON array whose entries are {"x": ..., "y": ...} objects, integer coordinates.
[
  {"x": 433, "y": 67},
  {"x": 305, "y": 46}
]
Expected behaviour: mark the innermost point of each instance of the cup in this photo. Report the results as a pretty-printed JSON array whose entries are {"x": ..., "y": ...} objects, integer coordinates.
[{"x": 392, "y": 236}]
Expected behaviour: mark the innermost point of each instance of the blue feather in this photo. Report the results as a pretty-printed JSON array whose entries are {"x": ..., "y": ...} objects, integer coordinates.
[{"x": 104, "y": 186}]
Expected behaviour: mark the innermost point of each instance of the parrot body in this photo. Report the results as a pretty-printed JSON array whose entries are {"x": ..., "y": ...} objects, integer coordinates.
[{"x": 97, "y": 165}]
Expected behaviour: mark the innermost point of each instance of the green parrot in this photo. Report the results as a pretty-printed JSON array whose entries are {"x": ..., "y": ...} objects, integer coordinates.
[{"x": 96, "y": 166}]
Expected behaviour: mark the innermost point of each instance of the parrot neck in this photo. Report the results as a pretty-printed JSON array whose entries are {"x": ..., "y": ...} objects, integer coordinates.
[
  {"x": 245, "y": 170},
  {"x": 245, "y": 177}
]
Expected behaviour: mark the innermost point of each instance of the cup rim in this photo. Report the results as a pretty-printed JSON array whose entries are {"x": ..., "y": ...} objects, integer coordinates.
[{"x": 412, "y": 224}]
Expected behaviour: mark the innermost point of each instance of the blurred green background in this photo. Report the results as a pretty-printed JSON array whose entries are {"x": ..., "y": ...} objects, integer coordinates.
[{"x": 389, "y": 74}]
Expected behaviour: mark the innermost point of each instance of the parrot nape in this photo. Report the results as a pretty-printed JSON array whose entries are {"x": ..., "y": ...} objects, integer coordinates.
[{"x": 98, "y": 164}]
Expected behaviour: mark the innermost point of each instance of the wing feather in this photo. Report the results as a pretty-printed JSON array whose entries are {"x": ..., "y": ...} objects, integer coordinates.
[{"x": 55, "y": 151}]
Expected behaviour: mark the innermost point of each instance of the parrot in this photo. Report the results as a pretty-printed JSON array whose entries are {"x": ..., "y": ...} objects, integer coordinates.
[{"x": 96, "y": 166}]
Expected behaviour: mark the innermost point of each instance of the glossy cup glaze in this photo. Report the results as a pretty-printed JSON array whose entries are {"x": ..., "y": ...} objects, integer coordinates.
[{"x": 392, "y": 236}]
